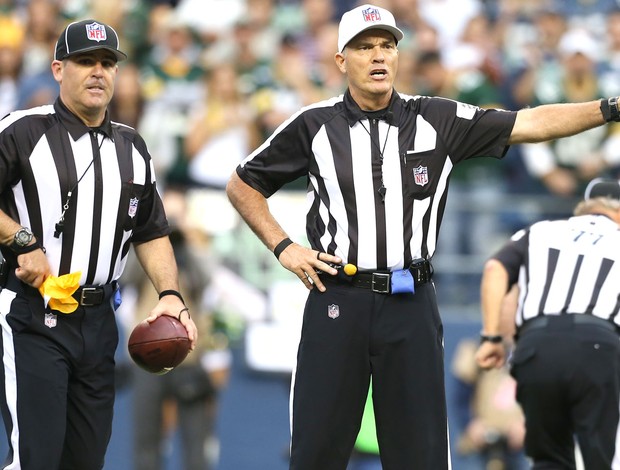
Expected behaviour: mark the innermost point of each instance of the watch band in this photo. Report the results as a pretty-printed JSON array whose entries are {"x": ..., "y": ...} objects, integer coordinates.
[
  {"x": 609, "y": 109},
  {"x": 495, "y": 339},
  {"x": 20, "y": 250}
]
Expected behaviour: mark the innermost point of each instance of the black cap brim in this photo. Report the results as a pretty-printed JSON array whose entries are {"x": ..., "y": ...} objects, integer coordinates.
[{"x": 118, "y": 54}]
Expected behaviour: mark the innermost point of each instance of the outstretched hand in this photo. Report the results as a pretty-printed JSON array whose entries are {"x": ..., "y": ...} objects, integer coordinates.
[{"x": 304, "y": 263}]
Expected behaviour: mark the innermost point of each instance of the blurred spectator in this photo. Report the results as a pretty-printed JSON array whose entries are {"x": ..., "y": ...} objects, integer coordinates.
[
  {"x": 186, "y": 398},
  {"x": 11, "y": 43},
  {"x": 251, "y": 45},
  {"x": 127, "y": 105},
  {"x": 37, "y": 90},
  {"x": 531, "y": 52},
  {"x": 586, "y": 14},
  {"x": 211, "y": 19},
  {"x": 43, "y": 25},
  {"x": 565, "y": 166},
  {"x": 462, "y": 79},
  {"x": 292, "y": 87},
  {"x": 331, "y": 80},
  {"x": 449, "y": 18},
  {"x": 172, "y": 83},
  {"x": 317, "y": 14},
  {"x": 482, "y": 36},
  {"x": 222, "y": 132},
  {"x": 41, "y": 21},
  {"x": 609, "y": 76}
]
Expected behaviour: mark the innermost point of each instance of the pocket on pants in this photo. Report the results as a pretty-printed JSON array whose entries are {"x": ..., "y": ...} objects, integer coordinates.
[{"x": 521, "y": 356}]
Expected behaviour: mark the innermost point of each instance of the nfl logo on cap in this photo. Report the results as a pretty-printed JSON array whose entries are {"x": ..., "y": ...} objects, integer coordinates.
[
  {"x": 96, "y": 32},
  {"x": 365, "y": 17},
  {"x": 371, "y": 14}
]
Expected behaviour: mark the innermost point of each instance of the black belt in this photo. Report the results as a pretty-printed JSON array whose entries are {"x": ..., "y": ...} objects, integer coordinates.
[
  {"x": 576, "y": 319},
  {"x": 90, "y": 296},
  {"x": 381, "y": 282}
]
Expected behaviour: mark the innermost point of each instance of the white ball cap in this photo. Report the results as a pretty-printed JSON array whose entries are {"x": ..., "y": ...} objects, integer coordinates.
[{"x": 365, "y": 17}]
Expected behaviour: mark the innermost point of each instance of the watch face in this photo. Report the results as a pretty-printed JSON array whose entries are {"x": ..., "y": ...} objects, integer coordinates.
[{"x": 23, "y": 237}]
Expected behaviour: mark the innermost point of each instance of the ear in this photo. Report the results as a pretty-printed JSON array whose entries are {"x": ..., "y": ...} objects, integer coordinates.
[
  {"x": 340, "y": 60},
  {"x": 57, "y": 67}
]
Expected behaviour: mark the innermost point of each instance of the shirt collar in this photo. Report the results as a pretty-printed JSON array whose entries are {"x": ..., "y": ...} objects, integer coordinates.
[
  {"x": 354, "y": 113},
  {"x": 74, "y": 124}
]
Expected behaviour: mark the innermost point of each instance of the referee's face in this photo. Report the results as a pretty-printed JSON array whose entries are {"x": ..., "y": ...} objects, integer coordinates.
[
  {"x": 370, "y": 61},
  {"x": 87, "y": 83}
]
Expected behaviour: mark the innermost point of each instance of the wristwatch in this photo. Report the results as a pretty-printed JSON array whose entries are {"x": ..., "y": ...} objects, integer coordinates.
[
  {"x": 21, "y": 241},
  {"x": 610, "y": 110}
]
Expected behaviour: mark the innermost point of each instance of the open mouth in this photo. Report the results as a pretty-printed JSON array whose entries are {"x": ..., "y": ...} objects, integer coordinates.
[{"x": 378, "y": 73}]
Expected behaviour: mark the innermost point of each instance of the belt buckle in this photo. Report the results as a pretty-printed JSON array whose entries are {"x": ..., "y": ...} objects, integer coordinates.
[
  {"x": 381, "y": 283},
  {"x": 84, "y": 294}
]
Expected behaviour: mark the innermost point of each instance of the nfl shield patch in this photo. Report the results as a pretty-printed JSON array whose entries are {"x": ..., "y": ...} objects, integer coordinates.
[
  {"x": 333, "y": 311},
  {"x": 133, "y": 207},
  {"x": 96, "y": 32},
  {"x": 50, "y": 320},
  {"x": 420, "y": 175}
]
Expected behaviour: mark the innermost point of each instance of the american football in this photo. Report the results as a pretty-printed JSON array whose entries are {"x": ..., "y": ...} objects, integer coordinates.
[{"x": 160, "y": 346}]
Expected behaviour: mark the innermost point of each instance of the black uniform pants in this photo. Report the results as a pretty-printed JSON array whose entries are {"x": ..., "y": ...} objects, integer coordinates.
[
  {"x": 57, "y": 383},
  {"x": 348, "y": 334},
  {"x": 568, "y": 383}
]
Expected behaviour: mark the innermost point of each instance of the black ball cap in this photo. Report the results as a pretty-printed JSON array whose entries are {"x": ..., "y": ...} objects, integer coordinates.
[
  {"x": 603, "y": 187},
  {"x": 87, "y": 35}
]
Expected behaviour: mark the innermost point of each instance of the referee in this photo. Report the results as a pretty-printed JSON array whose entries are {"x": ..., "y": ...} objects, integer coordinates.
[
  {"x": 76, "y": 190},
  {"x": 567, "y": 356},
  {"x": 377, "y": 164}
]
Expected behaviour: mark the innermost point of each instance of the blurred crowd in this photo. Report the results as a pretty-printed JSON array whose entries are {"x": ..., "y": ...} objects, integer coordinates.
[{"x": 207, "y": 81}]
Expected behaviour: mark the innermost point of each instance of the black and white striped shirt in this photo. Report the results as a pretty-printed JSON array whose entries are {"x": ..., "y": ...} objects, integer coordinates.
[
  {"x": 44, "y": 151},
  {"x": 569, "y": 266},
  {"x": 349, "y": 155}
]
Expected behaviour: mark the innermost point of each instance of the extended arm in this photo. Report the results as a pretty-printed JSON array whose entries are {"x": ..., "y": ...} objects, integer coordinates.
[
  {"x": 553, "y": 121},
  {"x": 253, "y": 208}
]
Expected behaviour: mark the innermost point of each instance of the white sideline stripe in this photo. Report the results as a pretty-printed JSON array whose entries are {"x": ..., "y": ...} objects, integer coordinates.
[{"x": 10, "y": 380}]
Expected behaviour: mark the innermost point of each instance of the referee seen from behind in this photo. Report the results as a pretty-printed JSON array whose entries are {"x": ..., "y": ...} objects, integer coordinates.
[
  {"x": 377, "y": 165},
  {"x": 567, "y": 356},
  {"x": 76, "y": 190}
]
